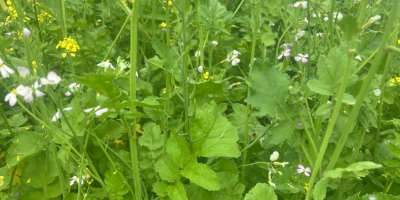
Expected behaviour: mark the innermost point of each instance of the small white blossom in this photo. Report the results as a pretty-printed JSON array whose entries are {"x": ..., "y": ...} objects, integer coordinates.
[
  {"x": 12, "y": 96},
  {"x": 232, "y": 57},
  {"x": 303, "y": 4},
  {"x": 358, "y": 57},
  {"x": 75, "y": 179},
  {"x": 106, "y": 65},
  {"x": 68, "y": 94},
  {"x": 26, "y": 32},
  {"x": 58, "y": 114},
  {"x": 375, "y": 18},
  {"x": 321, "y": 35},
  {"x": 300, "y": 34},
  {"x": 52, "y": 78},
  {"x": 5, "y": 70},
  {"x": 98, "y": 112},
  {"x": 274, "y": 156},
  {"x": 8, "y": 34},
  {"x": 197, "y": 53},
  {"x": 200, "y": 69},
  {"x": 235, "y": 61},
  {"x": 214, "y": 43},
  {"x": 271, "y": 23},
  {"x": 377, "y": 92},
  {"x": 337, "y": 15},
  {"x": 23, "y": 71}
]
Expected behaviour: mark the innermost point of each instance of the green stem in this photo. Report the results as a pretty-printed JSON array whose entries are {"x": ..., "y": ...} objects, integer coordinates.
[
  {"x": 360, "y": 97},
  {"x": 257, "y": 139},
  {"x": 63, "y": 19},
  {"x": 248, "y": 107},
  {"x": 309, "y": 137},
  {"x": 134, "y": 60},
  {"x": 6, "y": 121}
]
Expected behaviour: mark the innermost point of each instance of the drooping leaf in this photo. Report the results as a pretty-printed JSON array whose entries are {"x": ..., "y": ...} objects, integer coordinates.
[
  {"x": 261, "y": 191},
  {"x": 270, "y": 89}
]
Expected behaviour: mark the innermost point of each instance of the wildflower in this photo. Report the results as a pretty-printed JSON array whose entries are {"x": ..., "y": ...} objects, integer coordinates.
[
  {"x": 197, "y": 54},
  {"x": 377, "y": 92},
  {"x": 358, "y": 57},
  {"x": 271, "y": 24},
  {"x": 301, "y": 170},
  {"x": 214, "y": 43},
  {"x": 337, "y": 15},
  {"x": 299, "y": 34},
  {"x": 163, "y": 25},
  {"x": 326, "y": 18},
  {"x": 301, "y": 57},
  {"x": 5, "y": 70},
  {"x": 8, "y": 34},
  {"x": 303, "y": 4},
  {"x": 235, "y": 61},
  {"x": 274, "y": 156},
  {"x": 283, "y": 164},
  {"x": 305, "y": 185},
  {"x": 58, "y": 114},
  {"x": 23, "y": 71},
  {"x": 206, "y": 75},
  {"x": 375, "y": 18},
  {"x": 12, "y": 96},
  {"x": 321, "y": 35},
  {"x": 70, "y": 45},
  {"x": 304, "y": 21},
  {"x": 285, "y": 53},
  {"x": 232, "y": 57},
  {"x": 75, "y": 179},
  {"x": 200, "y": 69},
  {"x": 72, "y": 87},
  {"x": 29, "y": 97},
  {"x": 98, "y": 112},
  {"x": 106, "y": 64},
  {"x": 398, "y": 41},
  {"x": 26, "y": 32},
  {"x": 52, "y": 79},
  {"x": 286, "y": 45}
]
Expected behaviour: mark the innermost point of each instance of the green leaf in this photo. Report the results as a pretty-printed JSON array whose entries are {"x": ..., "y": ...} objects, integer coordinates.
[
  {"x": 349, "y": 26},
  {"x": 109, "y": 129},
  {"x": 268, "y": 39},
  {"x": 377, "y": 196},
  {"x": 178, "y": 150},
  {"x": 168, "y": 55},
  {"x": 280, "y": 133},
  {"x": 167, "y": 169},
  {"x": 152, "y": 139},
  {"x": 323, "y": 109},
  {"x": 270, "y": 91},
  {"x": 24, "y": 146},
  {"x": 330, "y": 70},
  {"x": 201, "y": 175},
  {"x": 116, "y": 185},
  {"x": 160, "y": 188},
  {"x": 359, "y": 167},
  {"x": 177, "y": 191},
  {"x": 261, "y": 191},
  {"x": 17, "y": 120}
]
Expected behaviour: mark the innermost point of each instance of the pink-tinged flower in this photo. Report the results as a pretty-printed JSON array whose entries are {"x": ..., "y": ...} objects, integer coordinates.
[
  {"x": 72, "y": 87},
  {"x": 26, "y": 32},
  {"x": 36, "y": 88},
  {"x": 301, "y": 170},
  {"x": 106, "y": 64},
  {"x": 5, "y": 70},
  {"x": 68, "y": 94},
  {"x": 23, "y": 71},
  {"x": 58, "y": 114},
  {"x": 98, "y": 112},
  {"x": 52, "y": 78},
  {"x": 285, "y": 53},
  {"x": 301, "y": 57},
  {"x": 303, "y": 4},
  {"x": 286, "y": 45},
  {"x": 200, "y": 69}
]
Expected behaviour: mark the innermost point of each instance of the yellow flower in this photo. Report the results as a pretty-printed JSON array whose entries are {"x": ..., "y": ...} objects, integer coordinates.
[
  {"x": 1, "y": 180},
  {"x": 305, "y": 185},
  {"x": 394, "y": 81},
  {"x": 28, "y": 181},
  {"x": 169, "y": 3},
  {"x": 163, "y": 25},
  {"x": 70, "y": 45},
  {"x": 398, "y": 41},
  {"x": 207, "y": 76}
]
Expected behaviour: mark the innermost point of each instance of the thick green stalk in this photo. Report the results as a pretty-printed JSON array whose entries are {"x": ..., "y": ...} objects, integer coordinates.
[
  {"x": 360, "y": 98},
  {"x": 63, "y": 19},
  {"x": 133, "y": 143},
  {"x": 333, "y": 119},
  {"x": 248, "y": 107}
]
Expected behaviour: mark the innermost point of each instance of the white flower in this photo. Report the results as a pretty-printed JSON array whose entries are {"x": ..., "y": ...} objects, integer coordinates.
[
  {"x": 321, "y": 35},
  {"x": 197, "y": 54},
  {"x": 358, "y": 57},
  {"x": 8, "y": 34},
  {"x": 23, "y": 71},
  {"x": 12, "y": 96},
  {"x": 283, "y": 164},
  {"x": 303, "y": 4},
  {"x": 375, "y": 18},
  {"x": 326, "y": 18},
  {"x": 200, "y": 69},
  {"x": 58, "y": 114},
  {"x": 235, "y": 61},
  {"x": 337, "y": 15},
  {"x": 98, "y": 112},
  {"x": 26, "y": 32},
  {"x": 36, "y": 88},
  {"x": 52, "y": 78},
  {"x": 305, "y": 20},
  {"x": 235, "y": 53},
  {"x": 106, "y": 64},
  {"x": 274, "y": 156},
  {"x": 377, "y": 92},
  {"x": 232, "y": 57},
  {"x": 214, "y": 43},
  {"x": 271, "y": 24},
  {"x": 5, "y": 70},
  {"x": 75, "y": 179},
  {"x": 300, "y": 34},
  {"x": 68, "y": 94}
]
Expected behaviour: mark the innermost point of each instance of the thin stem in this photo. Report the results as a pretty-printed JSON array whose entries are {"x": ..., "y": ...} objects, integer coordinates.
[
  {"x": 309, "y": 138},
  {"x": 6, "y": 121},
  {"x": 134, "y": 60}
]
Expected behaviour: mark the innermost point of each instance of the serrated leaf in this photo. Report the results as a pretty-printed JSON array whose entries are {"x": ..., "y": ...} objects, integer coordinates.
[
  {"x": 160, "y": 188},
  {"x": 177, "y": 191},
  {"x": 24, "y": 145},
  {"x": 116, "y": 185},
  {"x": 261, "y": 191},
  {"x": 330, "y": 71},
  {"x": 270, "y": 91},
  {"x": 152, "y": 139},
  {"x": 201, "y": 175},
  {"x": 167, "y": 169},
  {"x": 178, "y": 150}
]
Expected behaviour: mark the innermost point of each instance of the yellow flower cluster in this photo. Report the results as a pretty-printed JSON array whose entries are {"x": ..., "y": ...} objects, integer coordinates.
[
  {"x": 12, "y": 12},
  {"x": 394, "y": 81},
  {"x": 44, "y": 16},
  {"x": 207, "y": 76},
  {"x": 70, "y": 45},
  {"x": 163, "y": 25}
]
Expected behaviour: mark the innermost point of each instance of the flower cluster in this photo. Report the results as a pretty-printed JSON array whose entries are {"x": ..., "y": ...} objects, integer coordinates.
[
  {"x": 233, "y": 58},
  {"x": 286, "y": 50},
  {"x": 44, "y": 16},
  {"x": 12, "y": 12},
  {"x": 70, "y": 45}
]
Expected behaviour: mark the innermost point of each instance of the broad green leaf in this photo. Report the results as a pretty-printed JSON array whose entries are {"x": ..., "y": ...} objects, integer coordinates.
[
  {"x": 177, "y": 191},
  {"x": 109, "y": 129},
  {"x": 261, "y": 191},
  {"x": 349, "y": 26},
  {"x": 330, "y": 70},
  {"x": 201, "y": 175},
  {"x": 160, "y": 188},
  {"x": 116, "y": 186},
  {"x": 23, "y": 146},
  {"x": 394, "y": 149},
  {"x": 280, "y": 133},
  {"x": 17, "y": 120},
  {"x": 238, "y": 118},
  {"x": 178, "y": 150},
  {"x": 168, "y": 55},
  {"x": 323, "y": 109},
  {"x": 320, "y": 187},
  {"x": 6, "y": 177},
  {"x": 167, "y": 169},
  {"x": 152, "y": 139},
  {"x": 268, "y": 39},
  {"x": 270, "y": 91},
  {"x": 377, "y": 196}
]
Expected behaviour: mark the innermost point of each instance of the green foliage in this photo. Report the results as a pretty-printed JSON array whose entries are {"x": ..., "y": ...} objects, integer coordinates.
[{"x": 261, "y": 191}]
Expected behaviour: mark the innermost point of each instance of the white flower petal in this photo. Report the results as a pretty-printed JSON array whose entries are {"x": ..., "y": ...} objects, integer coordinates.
[{"x": 101, "y": 111}]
